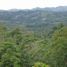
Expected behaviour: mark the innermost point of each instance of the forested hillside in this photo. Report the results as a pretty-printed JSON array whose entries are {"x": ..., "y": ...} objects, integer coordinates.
[
  {"x": 33, "y": 38},
  {"x": 34, "y": 19}
]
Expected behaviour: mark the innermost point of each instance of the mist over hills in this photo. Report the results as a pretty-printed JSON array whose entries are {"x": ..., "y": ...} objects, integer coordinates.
[
  {"x": 59, "y": 8},
  {"x": 35, "y": 19}
]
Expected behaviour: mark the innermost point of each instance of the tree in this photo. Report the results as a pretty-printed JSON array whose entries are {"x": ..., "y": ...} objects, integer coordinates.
[
  {"x": 58, "y": 49},
  {"x": 40, "y": 64}
]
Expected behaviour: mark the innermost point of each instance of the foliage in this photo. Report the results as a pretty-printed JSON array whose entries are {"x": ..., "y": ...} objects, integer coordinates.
[
  {"x": 40, "y": 64},
  {"x": 19, "y": 48}
]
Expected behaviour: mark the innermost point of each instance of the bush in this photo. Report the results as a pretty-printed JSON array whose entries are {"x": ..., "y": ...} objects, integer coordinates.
[{"x": 40, "y": 64}]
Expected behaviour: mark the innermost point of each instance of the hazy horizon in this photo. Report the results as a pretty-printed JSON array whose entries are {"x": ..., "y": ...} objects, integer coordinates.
[{"x": 29, "y": 4}]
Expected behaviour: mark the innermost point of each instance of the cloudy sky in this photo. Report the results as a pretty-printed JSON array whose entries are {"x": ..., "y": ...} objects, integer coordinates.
[{"x": 28, "y": 4}]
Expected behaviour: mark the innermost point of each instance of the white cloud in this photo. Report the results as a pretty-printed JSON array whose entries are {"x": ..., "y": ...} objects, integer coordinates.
[{"x": 24, "y": 4}]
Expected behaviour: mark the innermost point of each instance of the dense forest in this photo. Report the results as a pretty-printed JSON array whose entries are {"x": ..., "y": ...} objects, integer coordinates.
[{"x": 33, "y": 38}]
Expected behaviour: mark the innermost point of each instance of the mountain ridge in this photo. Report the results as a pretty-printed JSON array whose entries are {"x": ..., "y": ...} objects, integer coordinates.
[{"x": 37, "y": 18}]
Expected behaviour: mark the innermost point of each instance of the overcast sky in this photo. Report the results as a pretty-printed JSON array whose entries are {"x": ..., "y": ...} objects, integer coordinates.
[{"x": 28, "y": 4}]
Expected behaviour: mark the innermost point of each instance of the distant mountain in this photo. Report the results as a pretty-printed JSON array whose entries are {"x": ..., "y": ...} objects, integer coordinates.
[
  {"x": 34, "y": 19},
  {"x": 55, "y": 9},
  {"x": 60, "y": 8}
]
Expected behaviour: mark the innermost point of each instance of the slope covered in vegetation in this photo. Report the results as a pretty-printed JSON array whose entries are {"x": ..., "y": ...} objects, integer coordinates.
[
  {"x": 33, "y": 38},
  {"x": 19, "y": 48}
]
